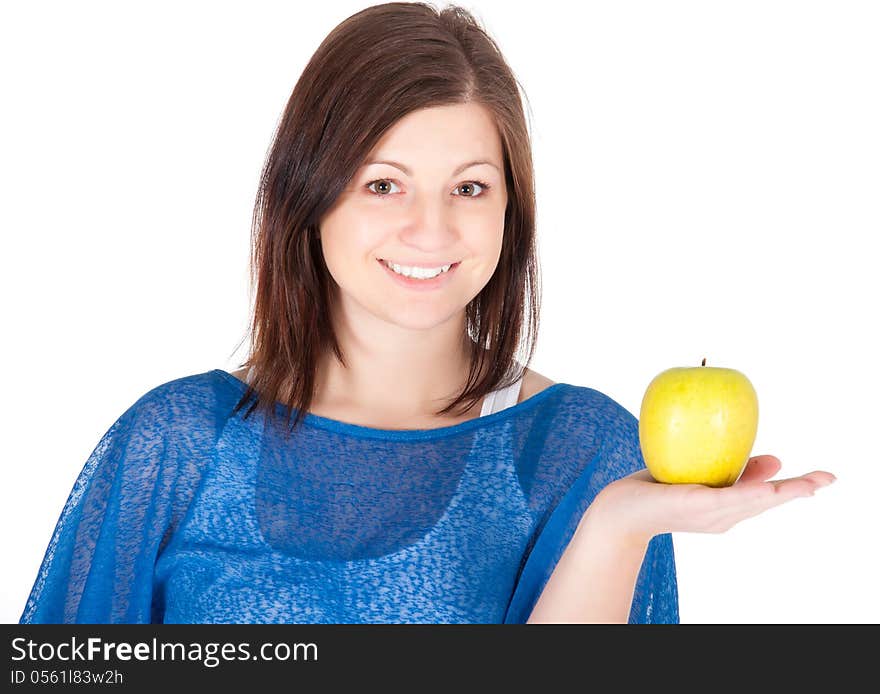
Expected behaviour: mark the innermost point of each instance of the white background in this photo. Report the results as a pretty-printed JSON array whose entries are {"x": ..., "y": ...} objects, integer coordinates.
[{"x": 707, "y": 180}]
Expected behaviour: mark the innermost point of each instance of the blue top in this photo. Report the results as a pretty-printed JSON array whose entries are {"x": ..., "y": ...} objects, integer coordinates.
[{"x": 185, "y": 512}]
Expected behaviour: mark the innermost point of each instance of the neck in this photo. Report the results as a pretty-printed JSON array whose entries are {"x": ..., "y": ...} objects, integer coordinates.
[{"x": 395, "y": 373}]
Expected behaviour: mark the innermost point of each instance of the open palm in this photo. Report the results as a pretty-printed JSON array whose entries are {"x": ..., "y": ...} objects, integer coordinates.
[{"x": 643, "y": 507}]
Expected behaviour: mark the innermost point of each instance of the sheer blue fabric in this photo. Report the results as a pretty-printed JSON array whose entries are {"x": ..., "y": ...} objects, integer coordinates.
[{"x": 188, "y": 513}]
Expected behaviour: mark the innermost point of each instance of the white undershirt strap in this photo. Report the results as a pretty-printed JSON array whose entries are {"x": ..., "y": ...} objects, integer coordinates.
[{"x": 501, "y": 399}]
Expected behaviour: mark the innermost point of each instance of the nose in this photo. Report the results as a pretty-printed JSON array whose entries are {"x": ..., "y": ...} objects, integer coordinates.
[{"x": 431, "y": 224}]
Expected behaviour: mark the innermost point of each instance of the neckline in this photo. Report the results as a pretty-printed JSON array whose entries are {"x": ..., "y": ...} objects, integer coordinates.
[{"x": 361, "y": 431}]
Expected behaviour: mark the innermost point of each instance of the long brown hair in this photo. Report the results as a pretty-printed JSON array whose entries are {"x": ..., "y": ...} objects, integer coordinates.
[{"x": 371, "y": 70}]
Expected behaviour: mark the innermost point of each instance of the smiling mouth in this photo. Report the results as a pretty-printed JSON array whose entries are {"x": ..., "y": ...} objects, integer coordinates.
[
  {"x": 417, "y": 265},
  {"x": 421, "y": 273}
]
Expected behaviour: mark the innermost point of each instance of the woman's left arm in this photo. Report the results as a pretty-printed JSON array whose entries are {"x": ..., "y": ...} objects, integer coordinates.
[{"x": 596, "y": 576}]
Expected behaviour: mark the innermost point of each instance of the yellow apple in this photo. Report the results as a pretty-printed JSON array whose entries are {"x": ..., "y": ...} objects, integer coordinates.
[{"x": 697, "y": 425}]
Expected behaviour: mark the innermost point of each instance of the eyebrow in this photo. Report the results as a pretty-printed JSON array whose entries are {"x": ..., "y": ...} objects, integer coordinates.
[{"x": 406, "y": 170}]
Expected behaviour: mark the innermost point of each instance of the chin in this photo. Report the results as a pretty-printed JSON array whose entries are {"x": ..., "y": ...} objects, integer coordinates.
[{"x": 419, "y": 317}]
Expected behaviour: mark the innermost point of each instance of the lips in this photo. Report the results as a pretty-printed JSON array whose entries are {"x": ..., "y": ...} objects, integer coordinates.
[
  {"x": 420, "y": 284},
  {"x": 421, "y": 266}
]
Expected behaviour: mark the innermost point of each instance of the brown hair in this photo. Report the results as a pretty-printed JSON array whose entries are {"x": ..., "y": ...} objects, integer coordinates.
[{"x": 371, "y": 70}]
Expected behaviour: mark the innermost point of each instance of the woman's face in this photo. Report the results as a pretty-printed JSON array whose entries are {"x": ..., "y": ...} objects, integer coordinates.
[{"x": 420, "y": 211}]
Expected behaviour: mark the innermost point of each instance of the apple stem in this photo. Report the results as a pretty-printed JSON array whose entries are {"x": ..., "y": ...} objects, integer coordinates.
[{"x": 704, "y": 361}]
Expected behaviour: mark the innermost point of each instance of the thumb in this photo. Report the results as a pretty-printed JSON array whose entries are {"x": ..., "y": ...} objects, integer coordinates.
[{"x": 760, "y": 468}]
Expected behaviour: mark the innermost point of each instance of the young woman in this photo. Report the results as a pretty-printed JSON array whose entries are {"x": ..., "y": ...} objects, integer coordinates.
[{"x": 428, "y": 475}]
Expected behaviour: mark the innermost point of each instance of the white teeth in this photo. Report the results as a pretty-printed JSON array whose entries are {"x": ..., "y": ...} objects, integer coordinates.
[{"x": 417, "y": 272}]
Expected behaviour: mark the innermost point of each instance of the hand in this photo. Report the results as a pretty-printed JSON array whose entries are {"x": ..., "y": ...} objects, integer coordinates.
[{"x": 641, "y": 507}]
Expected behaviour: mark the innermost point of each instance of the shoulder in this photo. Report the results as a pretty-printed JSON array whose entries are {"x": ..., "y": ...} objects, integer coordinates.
[
  {"x": 592, "y": 414},
  {"x": 588, "y": 400},
  {"x": 614, "y": 427},
  {"x": 533, "y": 383},
  {"x": 176, "y": 421},
  {"x": 184, "y": 389},
  {"x": 241, "y": 374},
  {"x": 194, "y": 404},
  {"x": 603, "y": 431}
]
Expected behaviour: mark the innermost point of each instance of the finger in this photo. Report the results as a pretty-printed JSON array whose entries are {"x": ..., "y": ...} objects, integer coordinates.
[
  {"x": 761, "y": 496},
  {"x": 757, "y": 497},
  {"x": 788, "y": 489},
  {"x": 643, "y": 475},
  {"x": 777, "y": 492},
  {"x": 760, "y": 468},
  {"x": 821, "y": 478},
  {"x": 805, "y": 484}
]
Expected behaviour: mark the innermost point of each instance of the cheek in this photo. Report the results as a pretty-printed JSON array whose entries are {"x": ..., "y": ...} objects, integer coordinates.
[
  {"x": 495, "y": 242},
  {"x": 349, "y": 236},
  {"x": 483, "y": 246},
  {"x": 488, "y": 239}
]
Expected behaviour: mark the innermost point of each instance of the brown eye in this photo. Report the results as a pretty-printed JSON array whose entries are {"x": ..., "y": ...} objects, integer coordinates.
[
  {"x": 469, "y": 185},
  {"x": 385, "y": 184}
]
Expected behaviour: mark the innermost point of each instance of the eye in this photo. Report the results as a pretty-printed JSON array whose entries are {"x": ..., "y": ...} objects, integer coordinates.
[
  {"x": 480, "y": 184},
  {"x": 387, "y": 182}
]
